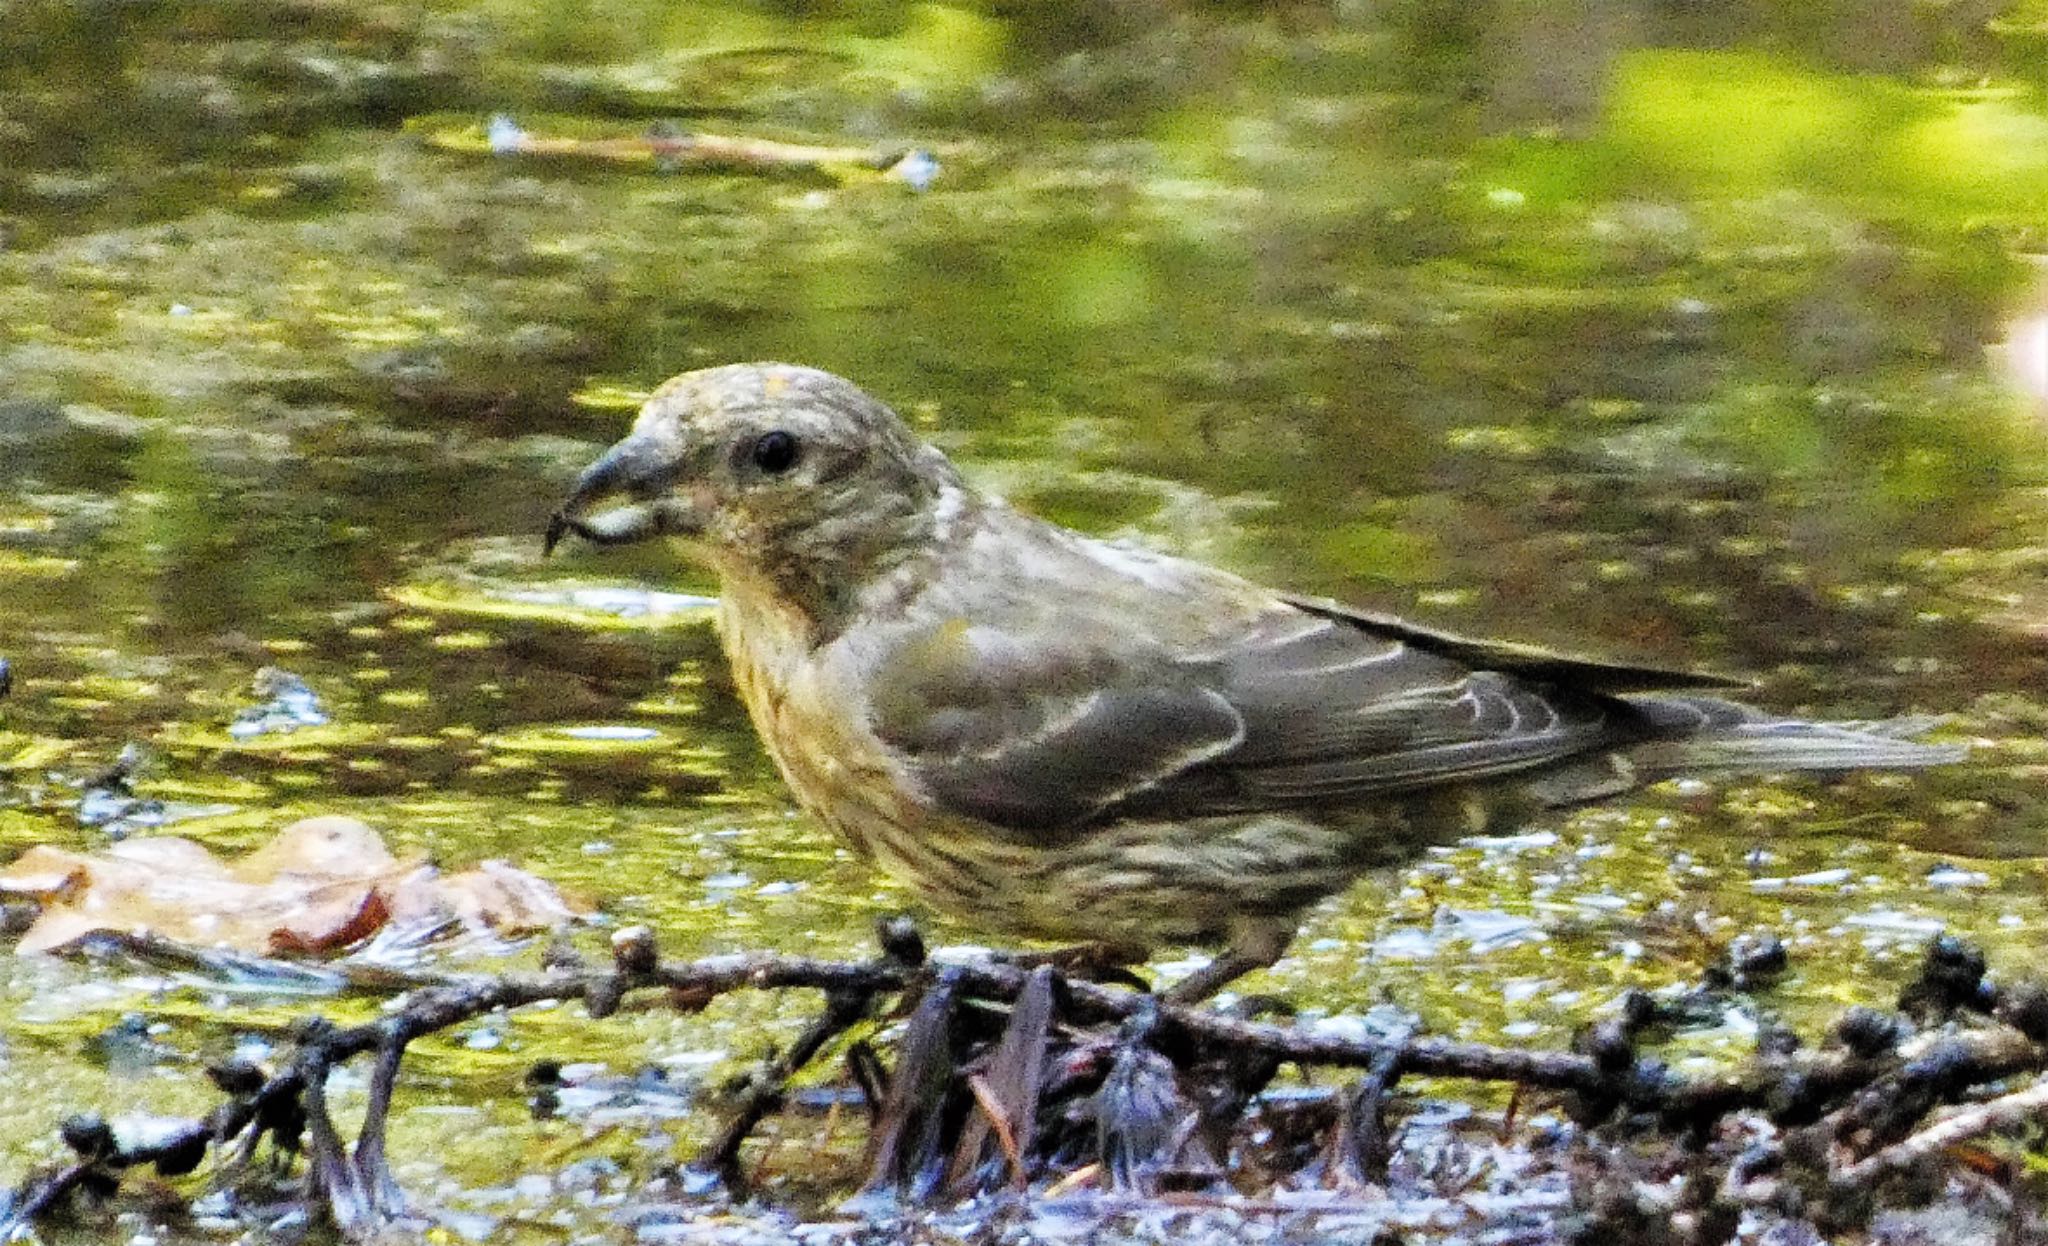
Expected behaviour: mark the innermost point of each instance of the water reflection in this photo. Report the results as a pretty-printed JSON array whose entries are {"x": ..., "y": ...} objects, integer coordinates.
[
  {"x": 1638, "y": 334},
  {"x": 2024, "y": 352}
]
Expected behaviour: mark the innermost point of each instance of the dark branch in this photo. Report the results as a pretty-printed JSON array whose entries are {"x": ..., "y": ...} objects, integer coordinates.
[{"x": 980, "y": 1095}]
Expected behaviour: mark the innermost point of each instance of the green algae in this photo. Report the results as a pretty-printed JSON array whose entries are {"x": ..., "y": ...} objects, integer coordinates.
[{"x": 1689, "y": 370}]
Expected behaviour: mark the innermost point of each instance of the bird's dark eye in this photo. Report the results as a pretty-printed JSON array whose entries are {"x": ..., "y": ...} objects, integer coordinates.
[{"x": 775, "y": 452}]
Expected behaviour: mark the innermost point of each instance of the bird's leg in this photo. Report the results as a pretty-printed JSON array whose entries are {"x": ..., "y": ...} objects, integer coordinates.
[
  {"x": 1255, "y": 943},
  {"x": 1092, "y": 962}
]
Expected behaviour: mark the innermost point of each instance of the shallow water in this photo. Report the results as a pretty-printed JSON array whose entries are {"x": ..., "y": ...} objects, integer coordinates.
[{"x": 1668, "y": 338}]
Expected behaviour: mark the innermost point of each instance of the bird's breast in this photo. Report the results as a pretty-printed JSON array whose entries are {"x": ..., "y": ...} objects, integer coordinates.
[
  {"x": 831, "y": 762},
  {"x": 842, "y": 774}
]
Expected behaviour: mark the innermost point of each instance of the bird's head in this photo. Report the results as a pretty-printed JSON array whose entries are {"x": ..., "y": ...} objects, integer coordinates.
[{"x": 789, "y": 479}]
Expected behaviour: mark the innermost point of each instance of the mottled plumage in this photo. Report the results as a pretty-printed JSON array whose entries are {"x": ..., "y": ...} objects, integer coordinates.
[{"x": 1067, "y": 738}]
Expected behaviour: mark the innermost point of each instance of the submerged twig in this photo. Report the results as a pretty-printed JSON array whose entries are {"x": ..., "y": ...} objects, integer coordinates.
[
  {"x": 1142, "y": 1119},
  {"x": 667, "y": 148},
  {"x": 1007, "y": 1090},
  {"x": 766, "y": 1086},
  {"x": 373, "y": 1168},
  {"x": 1360, "y": 1147},
  {"x": 2005, "y": 1112},
  {"x": 332, "y": 1182},
  {"x": 40, "y": 1194},
  {"x": 907, "y": 1146}
]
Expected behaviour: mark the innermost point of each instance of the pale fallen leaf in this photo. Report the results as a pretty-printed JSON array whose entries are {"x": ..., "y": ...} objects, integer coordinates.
[
  {"x": 332, "y": 846},
  {"x": 321, "y": 885},
  {"x": 498, "y": 896}
]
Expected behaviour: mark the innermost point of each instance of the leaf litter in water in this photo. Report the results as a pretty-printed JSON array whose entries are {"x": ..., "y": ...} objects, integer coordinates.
[
  {"x": 288, "y": 705},
  {"x": 322, "y": 885}
]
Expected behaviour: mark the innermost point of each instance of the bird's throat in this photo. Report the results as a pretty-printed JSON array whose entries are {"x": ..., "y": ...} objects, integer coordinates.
[{"x": 821, "y": 580}]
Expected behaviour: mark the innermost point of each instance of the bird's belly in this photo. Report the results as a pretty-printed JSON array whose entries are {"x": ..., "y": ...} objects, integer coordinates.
[
  {"x": 1130, "y": 886},
  {"x": 1134, "y": 884},
  {"x": 841, "y": 776},
  {"x": 1182, "y": 882},
  {"x": 1144, "y": 883}
]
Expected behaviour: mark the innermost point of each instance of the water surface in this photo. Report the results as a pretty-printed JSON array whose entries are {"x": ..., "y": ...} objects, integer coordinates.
[{"x": 1648, "y": 334}]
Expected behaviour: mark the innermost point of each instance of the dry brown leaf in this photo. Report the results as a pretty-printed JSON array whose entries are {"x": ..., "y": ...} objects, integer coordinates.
[
  {"x": 332, "y": 846},
  {"x": 321, "y": 885},
  {"x": 171, "y": 854},
  {"x": 331, "y": 918},
  {"x": 497, "y": 896},
  {"x": 44, "y": 871}
]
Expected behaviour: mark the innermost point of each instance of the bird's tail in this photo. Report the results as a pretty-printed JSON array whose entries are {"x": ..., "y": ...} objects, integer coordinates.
[{"x": 1694, "y": 734}]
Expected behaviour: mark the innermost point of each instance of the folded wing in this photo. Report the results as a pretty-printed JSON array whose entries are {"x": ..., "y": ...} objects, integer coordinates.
[{"x": 1299, "y": 705}]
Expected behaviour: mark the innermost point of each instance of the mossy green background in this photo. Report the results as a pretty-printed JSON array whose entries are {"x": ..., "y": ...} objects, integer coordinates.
[{"x": 1659, "y": 332}]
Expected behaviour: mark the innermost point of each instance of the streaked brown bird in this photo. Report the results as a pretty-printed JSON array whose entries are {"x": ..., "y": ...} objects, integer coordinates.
[{"x": 1065, "y": 738}]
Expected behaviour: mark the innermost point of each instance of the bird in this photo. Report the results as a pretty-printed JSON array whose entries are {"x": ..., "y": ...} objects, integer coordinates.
[{"x": 1063, "y": 738}]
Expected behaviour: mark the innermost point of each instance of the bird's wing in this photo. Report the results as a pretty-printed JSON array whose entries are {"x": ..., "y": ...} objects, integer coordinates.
[
  {"x": 1047, "y": 729},
  {"x": 1527, "y": 661},
  {"x": 1037, "y": 735}
]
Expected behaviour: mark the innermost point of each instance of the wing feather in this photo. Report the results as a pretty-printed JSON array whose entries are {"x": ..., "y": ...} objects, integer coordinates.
[
  {"x": 1080, "y": 713},
  {"x": 1529, "y": 661}
]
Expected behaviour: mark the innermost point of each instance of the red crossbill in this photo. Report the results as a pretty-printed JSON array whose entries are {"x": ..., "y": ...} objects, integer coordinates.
[{"x": 1059, "y": 737}]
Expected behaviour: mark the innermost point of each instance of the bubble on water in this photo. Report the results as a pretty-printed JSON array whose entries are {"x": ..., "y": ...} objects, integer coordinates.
[
  {"x": 919, "y": 169},
  {"x": 1511, "y": 843},
  {"x": 1487, "y": 930},
  {"x": 1892, "y": 921},
  {"x": 1947, "y": 875},
  {"x": 504, "y": 135}
]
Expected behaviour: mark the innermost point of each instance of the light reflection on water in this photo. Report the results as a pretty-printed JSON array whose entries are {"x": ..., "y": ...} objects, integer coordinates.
[
  {"x": 2023, "y": 354},
  {"x": 1361, "y": 309}
]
